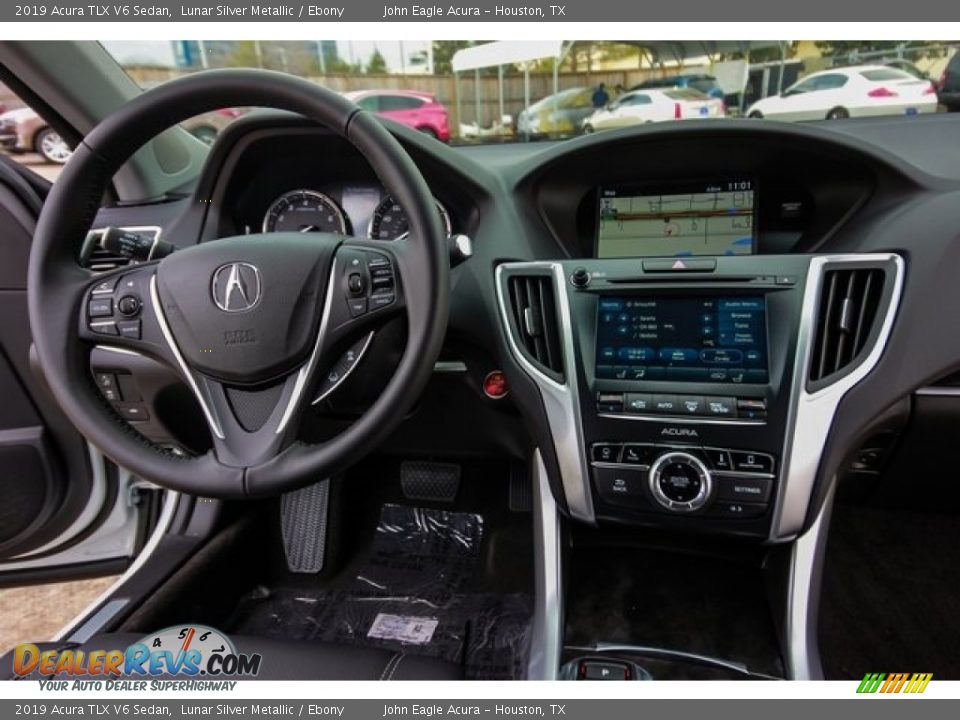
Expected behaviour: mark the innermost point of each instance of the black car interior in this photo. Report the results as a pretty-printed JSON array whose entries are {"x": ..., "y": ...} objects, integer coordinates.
[{"x": 515, "y": 438}]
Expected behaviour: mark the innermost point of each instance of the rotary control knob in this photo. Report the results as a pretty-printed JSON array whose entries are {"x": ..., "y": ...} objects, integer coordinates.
[
  {"x": 580, "y": 277},
  {"x": 680, "y": 482}
]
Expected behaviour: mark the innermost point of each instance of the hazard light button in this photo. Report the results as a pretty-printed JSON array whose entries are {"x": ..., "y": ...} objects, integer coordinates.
[{"x": 666, "y": 265}]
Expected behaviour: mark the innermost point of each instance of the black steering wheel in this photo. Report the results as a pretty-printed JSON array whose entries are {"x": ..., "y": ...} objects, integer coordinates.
[{"x": 245, "y": 321}]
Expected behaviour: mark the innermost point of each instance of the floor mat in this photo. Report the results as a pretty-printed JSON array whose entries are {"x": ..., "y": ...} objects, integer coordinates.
[
  {"x": 891, "y": 594},
  {"x": 415, "y": 592}
]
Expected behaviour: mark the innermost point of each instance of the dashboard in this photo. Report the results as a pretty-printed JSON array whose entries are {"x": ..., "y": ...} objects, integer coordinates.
[
  {"x": 310, "y": 181},
  {"x": 680, "y": 272}
]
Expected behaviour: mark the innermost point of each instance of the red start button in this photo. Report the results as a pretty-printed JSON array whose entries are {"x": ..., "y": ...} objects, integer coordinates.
[{"x": 495, "y": 385}]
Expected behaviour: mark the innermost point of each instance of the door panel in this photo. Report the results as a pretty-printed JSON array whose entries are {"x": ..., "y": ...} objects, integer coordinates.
[{"x": 49, "y": 502}]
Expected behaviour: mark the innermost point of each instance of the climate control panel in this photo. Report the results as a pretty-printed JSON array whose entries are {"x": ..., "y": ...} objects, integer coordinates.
[{"x": 694, "y": 481}]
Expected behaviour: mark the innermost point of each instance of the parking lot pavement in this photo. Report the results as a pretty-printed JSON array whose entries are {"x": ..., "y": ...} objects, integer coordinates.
[
  {"x": 38, "y": 612},
  {"x": 40, "y": 166}
]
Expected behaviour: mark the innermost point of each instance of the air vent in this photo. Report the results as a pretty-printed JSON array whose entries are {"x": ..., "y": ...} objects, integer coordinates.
[
  {"x": 535, "y": 317},
  {"x": 94, "y": 257},
  {"x": 849, "y": 301}
]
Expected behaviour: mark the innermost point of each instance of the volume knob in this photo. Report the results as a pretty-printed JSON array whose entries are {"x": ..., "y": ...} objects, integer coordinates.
[{"x": 580, "y": 277}]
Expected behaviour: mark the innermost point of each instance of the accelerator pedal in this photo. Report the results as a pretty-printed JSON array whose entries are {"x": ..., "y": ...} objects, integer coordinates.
[
  {"x": 303, "y": 524},
  {"x": 436, "y": 482}
]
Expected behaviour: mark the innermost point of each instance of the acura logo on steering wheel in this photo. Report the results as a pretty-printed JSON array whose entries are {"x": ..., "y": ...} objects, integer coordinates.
[{"x": 236, "y": 287}]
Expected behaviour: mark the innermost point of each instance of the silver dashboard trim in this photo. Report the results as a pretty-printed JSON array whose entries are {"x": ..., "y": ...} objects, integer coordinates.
[
  {"x": 803, "y": 597},
  {"x": 938, "y": 391},
  {"x": 212, "y": 420},
  {"x": 810, "y": 415},
  {"x": 681, "y": 420},
  {"x": 653, "y": 651},
  {"x": 561, "y": 401},
  {"x": 306, "y": 370},
  {"x": 546, "y": 641}
]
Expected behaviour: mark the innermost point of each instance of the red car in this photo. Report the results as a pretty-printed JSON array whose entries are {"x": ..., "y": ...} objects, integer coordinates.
[{"x": 419, "y": 110}]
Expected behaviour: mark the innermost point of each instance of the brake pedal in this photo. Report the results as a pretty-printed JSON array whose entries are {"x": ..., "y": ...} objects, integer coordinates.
[
  {"x": 437, "y": 482},
  {"x": 303, "y": 525}
]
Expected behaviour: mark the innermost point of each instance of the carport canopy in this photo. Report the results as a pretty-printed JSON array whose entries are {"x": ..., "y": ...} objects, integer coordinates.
[{"x": 523, "y": 52}]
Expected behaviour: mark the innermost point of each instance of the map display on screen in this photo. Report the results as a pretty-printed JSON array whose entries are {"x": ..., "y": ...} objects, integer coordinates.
[{"x": 713, "y": 218}]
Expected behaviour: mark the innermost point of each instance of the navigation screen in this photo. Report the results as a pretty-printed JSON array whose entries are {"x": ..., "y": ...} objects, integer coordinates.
[
  {"x": 694, "y": 219},
  {"x": 693, "y": 339}
]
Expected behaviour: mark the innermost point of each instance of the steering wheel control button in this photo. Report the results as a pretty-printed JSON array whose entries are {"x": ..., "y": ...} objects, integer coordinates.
[
  {"x": 381, "y": 301},
  {"x": 606, "y": 452},
  {"x": 620, "y": 486},
  {"x": 100, "y": 307},
  {"x": 132, "y": 412},
  {"x": 104, "y": 327},
  {"x": 680, "y": 482},
  {"x": 751, "y": 462},
  {"x": 744, "y": 489},
  {"x": 358, "y": 307},
  {"x": 129, "y": 305},
  {"x": 356, "y": 284},
  {"x": 105, "y": 287},
  {"x": 129, "y": 329}
]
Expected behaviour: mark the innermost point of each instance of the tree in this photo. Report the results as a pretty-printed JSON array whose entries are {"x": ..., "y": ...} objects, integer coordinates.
[
  {"x": 376, "y": 65},
  {"x": 444, "y": 50},
  {"x": 849, "y": 50}
]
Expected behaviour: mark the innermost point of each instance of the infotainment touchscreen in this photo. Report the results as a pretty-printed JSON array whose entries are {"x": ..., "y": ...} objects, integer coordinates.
[
  {"x": 700, "y": 218},
  {"x": 690, "y": 339}
]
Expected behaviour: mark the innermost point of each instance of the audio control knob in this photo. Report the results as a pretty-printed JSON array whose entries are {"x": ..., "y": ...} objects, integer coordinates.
[
  {"x": 580, "y": 277},
  {"x": 680, "y": 482}
]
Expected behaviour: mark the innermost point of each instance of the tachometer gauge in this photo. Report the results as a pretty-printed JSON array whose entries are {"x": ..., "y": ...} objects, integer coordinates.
[
  {"x": 305, "y": 211},
  {"x": 389, "y": 220}
]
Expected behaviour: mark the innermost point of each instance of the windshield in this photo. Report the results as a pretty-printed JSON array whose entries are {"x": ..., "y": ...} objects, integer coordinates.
[{"x": 477, "y": 92}]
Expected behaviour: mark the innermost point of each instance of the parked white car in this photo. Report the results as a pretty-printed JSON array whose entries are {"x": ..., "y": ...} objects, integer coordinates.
[
  {"x": 654, "y": 105},
  {"x": 858, "y": 91}
]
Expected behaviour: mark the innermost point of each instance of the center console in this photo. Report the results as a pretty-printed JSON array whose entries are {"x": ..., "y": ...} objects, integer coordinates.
[{"x": 695, "y": 393}]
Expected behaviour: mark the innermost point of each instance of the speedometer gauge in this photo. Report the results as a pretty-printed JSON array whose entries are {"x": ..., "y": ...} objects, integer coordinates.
[
  {"x": 305, "y": 211},
  {"x": 389, "y": 220}
]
